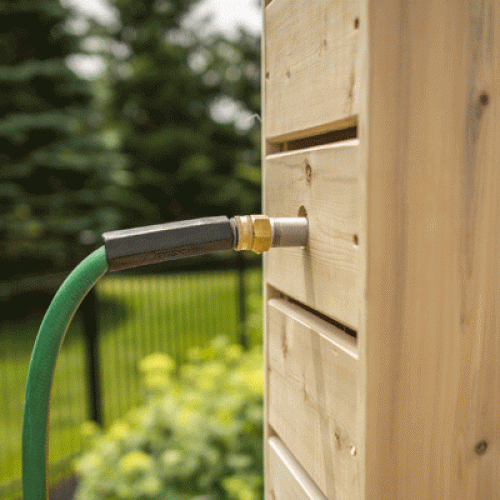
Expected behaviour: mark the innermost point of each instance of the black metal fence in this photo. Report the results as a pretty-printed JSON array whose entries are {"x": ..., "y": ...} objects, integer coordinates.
[{"x": 125, "y": 318}]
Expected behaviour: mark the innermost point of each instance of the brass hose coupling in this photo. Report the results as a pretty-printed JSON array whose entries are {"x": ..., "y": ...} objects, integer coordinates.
[{"x": 259, "y": 232}]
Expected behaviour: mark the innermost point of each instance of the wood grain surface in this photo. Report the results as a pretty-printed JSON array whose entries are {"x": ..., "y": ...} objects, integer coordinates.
[
  {"x": 429, "y": 340},
  {"x": 310, "y": 66},
  {"x": 288, "y": 480},
  {"x": 312, "y": 373},
  {"x": 324, "y": 181}
]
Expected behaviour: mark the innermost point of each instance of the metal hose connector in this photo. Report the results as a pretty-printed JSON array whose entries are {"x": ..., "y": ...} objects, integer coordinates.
[{"x": 259, "y": 232}]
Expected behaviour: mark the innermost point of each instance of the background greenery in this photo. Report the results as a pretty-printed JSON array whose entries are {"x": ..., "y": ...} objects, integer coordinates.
[
  {"x": 198, "y": 434},
  {"x": 144, "y": 142},
  {"x": 137, "y": 145},
  {"x": 138, "y": 315}
]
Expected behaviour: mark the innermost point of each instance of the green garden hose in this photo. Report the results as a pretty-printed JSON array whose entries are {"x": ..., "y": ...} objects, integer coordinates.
[
  {"x": 122, "y": 250},
  {"x": 41, "y": 371}
]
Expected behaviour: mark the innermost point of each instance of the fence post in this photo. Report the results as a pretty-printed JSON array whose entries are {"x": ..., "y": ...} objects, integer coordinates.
[
  {"x": 89, "y": 311},
  {"x": 240, "y": 264}
]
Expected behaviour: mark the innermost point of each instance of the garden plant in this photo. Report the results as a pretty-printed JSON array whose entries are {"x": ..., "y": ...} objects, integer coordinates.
[{"x": 198, "y": 434}]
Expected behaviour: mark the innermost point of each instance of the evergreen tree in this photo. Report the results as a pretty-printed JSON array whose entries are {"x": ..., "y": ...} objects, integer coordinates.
[
  {"x": 58, "y": 179},
  {"x": 184, "y": 161}
]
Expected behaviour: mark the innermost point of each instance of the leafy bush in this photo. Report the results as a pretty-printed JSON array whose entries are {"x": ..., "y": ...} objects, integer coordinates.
[{"x": 199, "y": 435}]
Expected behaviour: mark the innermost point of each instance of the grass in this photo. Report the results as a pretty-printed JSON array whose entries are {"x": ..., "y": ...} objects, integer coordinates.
[{"x": 138, "y": 315}]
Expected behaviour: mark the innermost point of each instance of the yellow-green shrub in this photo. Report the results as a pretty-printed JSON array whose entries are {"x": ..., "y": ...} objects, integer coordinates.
[{"x": 198, "y": 435}]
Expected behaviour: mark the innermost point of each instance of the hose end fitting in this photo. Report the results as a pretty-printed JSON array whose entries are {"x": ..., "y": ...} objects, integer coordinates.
[
  {"x": 259, "y": 232},
  {"x": 254, "y": 233}
]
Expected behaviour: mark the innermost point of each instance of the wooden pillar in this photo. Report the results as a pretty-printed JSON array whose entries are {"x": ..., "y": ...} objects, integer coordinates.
[{"x": 382, "y": 124}]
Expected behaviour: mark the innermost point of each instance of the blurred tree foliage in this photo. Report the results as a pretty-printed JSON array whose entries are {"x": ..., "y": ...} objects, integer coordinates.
[
  {"x": 167, "y": 93},
  {"x": 153, "y": 139},
  {"x": 57, "y": 176}
]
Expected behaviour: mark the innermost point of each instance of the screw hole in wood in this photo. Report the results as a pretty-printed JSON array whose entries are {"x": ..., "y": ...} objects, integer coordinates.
[
  {"x": 484, "y": 99},
  {"x": 481, "y": 447}
]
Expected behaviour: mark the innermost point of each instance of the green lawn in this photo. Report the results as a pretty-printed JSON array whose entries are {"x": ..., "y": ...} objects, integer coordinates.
[{"x": 138, "y": 315}]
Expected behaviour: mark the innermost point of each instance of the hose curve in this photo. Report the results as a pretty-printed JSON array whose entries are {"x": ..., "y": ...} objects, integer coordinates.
[{"x": 41, "y": 371}]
